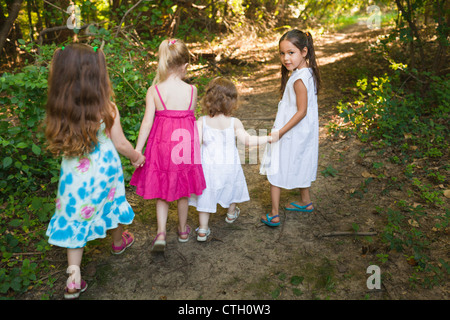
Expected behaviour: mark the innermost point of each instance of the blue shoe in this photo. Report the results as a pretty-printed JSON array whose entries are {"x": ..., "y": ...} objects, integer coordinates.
[
  {"x": 269, "y": 221},
  {"x": 300, "y": 208}
]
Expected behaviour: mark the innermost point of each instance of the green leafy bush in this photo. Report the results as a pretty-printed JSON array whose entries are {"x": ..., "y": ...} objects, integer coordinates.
[{"x": 387, "y": 112}]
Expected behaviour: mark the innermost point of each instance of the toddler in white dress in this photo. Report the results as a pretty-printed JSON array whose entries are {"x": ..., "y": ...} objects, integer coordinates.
[{"x": 225, "y": 180}]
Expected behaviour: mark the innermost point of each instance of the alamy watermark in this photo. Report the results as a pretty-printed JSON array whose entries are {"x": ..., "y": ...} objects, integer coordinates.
[
  {"x": 374, "y": 281},
  {"x": 374, "y": 20},
  {"x": 74, "y": 20},
  {"x": 225, "y": 150}
]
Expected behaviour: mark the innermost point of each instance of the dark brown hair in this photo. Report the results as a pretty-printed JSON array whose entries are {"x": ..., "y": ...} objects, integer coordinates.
[
  {"x": 221, "y": 97},
  {"x": 301, "y": 40},
  {"x": 79, "y": 98}
]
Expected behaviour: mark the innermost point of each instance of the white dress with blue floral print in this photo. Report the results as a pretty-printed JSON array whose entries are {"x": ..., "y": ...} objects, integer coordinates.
[{"x": 91, "y": 197}]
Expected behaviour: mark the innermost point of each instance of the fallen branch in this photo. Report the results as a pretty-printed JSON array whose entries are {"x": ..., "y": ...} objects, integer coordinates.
[
  {"x": 58, "y": 28},
  {"x": 347, "y": 233},
  {"x": 213, "y": 64},
  {"x": 25, "y": 253}
]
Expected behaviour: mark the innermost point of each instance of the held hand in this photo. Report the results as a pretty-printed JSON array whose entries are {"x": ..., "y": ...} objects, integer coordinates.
[
  {"x": 274, "y": 136},
  {"x": 140, "y": 161}
]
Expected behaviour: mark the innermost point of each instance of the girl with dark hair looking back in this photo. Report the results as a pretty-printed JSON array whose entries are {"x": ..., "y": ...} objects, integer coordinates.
[{"x": 291, "y": 162}]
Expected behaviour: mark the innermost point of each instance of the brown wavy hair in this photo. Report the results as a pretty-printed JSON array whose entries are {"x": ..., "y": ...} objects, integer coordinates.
[
  {"x": 221, "y": 96},
  {"x": 79, "y": 98},
  {"x": 301, "y": 40}
]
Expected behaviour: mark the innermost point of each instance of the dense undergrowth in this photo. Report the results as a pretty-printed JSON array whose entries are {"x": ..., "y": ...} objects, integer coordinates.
[{"x": 402, "y": 117}]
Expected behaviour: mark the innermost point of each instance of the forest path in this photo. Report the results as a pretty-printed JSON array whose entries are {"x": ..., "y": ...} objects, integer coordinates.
[{"x": 246, "y": 259}]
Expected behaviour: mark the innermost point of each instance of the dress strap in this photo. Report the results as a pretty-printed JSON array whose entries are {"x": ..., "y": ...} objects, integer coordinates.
[
  {"x": 192, "y": 95},
  {"x": 156, "y": 87}
]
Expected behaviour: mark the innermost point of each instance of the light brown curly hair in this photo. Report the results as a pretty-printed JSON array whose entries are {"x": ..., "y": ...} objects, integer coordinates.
[{"x": 221, "y": 97}]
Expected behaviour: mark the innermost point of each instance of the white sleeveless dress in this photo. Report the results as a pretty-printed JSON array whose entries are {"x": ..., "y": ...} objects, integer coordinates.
[
  {"x": 292, "y": 161},
  {"x": 225, "y": 180}
]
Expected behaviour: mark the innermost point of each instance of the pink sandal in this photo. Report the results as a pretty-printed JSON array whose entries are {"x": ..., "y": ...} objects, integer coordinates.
[
  {"x": 75, "y": 295},
  {"x": 74, "y": 283},
  {"x": 127, "y": 241},
  {"x": 187, "y": 232},
  {"x": 159, "y": 245}
]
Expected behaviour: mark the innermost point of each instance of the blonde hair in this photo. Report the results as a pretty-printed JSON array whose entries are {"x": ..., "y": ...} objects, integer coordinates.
[
  {"x": 172, "y": 53},
  {"x": 221, "y": 97}
]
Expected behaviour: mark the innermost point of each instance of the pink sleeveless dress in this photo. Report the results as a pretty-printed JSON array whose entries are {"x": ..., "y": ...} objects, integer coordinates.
[{"x": 172, "y": 168}]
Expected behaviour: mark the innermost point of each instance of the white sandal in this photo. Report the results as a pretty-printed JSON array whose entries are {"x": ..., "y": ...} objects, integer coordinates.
[
  {"x": 232, "y": 217},
  {"x": 207, "y": 232}
]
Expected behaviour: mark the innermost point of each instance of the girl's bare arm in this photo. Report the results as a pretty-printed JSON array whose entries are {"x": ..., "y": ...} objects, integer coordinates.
[{"x": 147, "y": 121}]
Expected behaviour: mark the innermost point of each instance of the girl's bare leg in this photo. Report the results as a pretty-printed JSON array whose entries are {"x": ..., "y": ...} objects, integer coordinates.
[
  {"x": 74, "y": 257},
  {"x": 203, "y": 219},
  {"x": 305, "y": 199},
  {"x": 231, "y": 208},
  {"x": 117, "y": 235},
  {"x": 182, "y": 206},
  {"x": 162, "y": 210},
  {"x": 275, "y": 193}
]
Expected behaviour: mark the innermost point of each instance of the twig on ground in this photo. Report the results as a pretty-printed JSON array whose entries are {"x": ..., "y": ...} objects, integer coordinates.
[{"x": 347, "y": 233}]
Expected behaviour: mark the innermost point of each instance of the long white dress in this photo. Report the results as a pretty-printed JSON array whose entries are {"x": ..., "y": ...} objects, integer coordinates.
[
  {"x": 292, "y": 161},
  {"x": 225, "y": 180}
]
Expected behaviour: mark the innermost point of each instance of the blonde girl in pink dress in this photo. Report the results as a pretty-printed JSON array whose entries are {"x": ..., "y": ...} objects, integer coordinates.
[{"x": 173, "y": 170}]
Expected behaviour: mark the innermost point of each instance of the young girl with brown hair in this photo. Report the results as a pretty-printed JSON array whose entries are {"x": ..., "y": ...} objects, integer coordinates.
[
  {"x": 83, "y": 127},
  {"x": 224, "y": 176},
  {"x": 291, "y": 162}
]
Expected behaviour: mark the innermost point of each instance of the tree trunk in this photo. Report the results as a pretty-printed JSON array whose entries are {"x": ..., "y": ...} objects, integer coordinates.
[
  {"x": 440, "y": 58},
  {"x": 6, "y": 28},
  {"x": 409, "y": 17}
]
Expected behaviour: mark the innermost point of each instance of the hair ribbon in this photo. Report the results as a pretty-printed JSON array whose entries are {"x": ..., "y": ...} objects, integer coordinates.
[
  {"x": 95, "y": 49},
  {"x": 171, "y": 42},
  {"x": 307, "y": 33}
]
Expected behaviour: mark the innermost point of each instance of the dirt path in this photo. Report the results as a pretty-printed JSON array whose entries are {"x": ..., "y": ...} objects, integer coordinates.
[{"x": 248, "y": 260}]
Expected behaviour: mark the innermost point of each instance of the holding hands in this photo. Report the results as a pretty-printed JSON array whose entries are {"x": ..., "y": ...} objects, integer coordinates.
[
  {"x": 274, "y": 136},
  {"x": 140, "y": 160}
]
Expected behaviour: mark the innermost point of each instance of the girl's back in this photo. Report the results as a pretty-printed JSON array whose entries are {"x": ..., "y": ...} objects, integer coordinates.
[
  {"x": 220, "y": 122},
  {"x": 176, "y": 95}
]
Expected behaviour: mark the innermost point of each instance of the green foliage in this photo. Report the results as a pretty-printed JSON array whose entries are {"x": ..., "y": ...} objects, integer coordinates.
[
  {"x": 385, "y": 112},
  {"x": 407, "y": 232},
  {"x": 406, "y": 113},
  {"x": 413, "y": 123},
  {"x": 329, "y": 171},
  {"x": 25, "y": 171}
]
